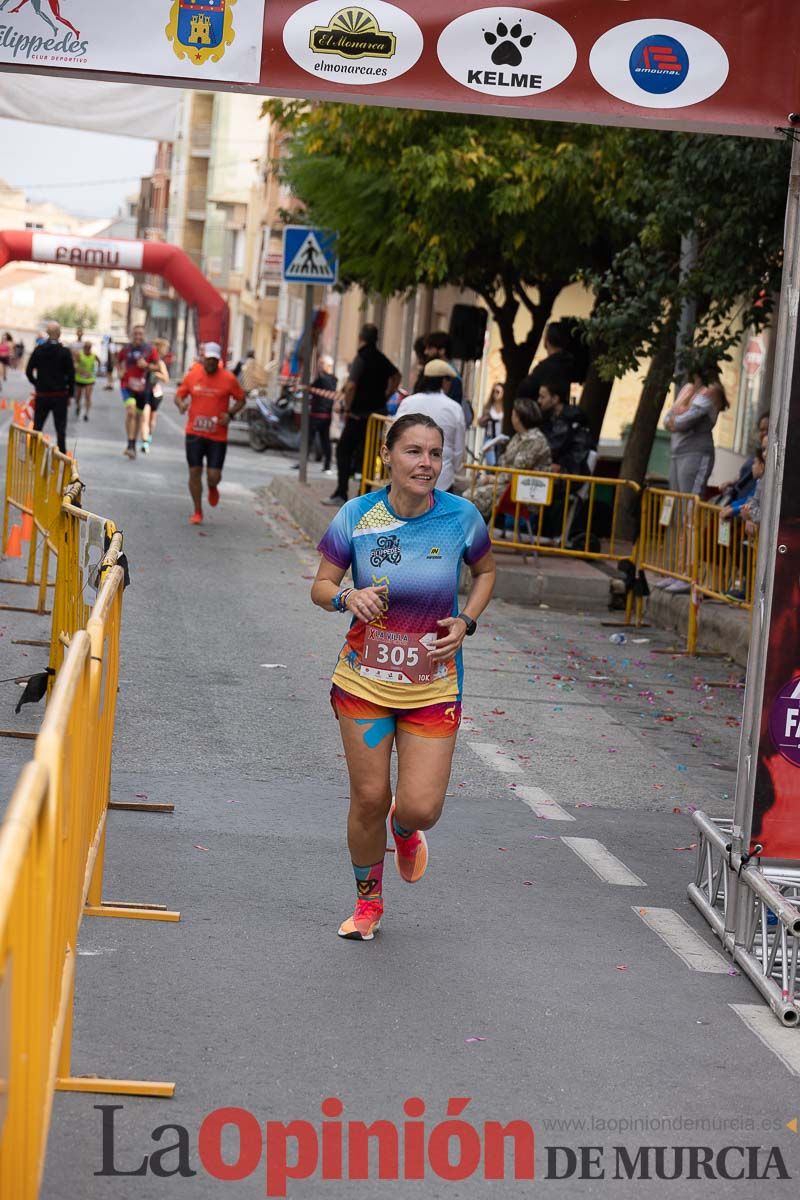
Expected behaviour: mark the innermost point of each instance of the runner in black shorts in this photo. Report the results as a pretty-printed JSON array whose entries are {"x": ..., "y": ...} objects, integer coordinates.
[{"x": 206, "y": 391}]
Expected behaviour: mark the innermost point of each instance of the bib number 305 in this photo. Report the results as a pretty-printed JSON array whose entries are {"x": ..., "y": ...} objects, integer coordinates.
[{"x": 397, "y": 657}]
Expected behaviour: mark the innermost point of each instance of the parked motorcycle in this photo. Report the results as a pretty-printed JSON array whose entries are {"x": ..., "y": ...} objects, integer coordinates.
[{"x": 275, "y": 424}]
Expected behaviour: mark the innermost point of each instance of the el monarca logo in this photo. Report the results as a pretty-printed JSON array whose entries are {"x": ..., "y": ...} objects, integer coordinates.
[{"x": 352, "y": 33}]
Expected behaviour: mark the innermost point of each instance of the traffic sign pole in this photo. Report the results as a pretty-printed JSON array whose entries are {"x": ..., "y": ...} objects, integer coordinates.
[{"x": 308, "y": 346}]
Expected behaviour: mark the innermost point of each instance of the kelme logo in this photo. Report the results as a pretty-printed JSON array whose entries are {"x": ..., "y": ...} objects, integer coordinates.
[
  {"x": 353, "y": 33},
  {"x": 506, "y": 51}
]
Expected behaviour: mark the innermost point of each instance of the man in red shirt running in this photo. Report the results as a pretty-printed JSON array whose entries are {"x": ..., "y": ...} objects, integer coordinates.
[
  {"x": 206, "y": 391},
  {"x": 133, "y": 366}
]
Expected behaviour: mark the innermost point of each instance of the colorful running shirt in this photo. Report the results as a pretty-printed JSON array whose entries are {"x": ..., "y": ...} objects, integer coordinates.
[
  {"x": 133, "y": 362},
  {"x": 210, "y": 397},
  {"x": 85, "y": 368},
  {"x": 418, "y": 560}
]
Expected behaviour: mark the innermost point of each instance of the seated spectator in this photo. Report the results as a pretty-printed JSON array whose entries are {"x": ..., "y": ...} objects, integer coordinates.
[
  {"x": 748, "y": 503},
  {"x": 734, "y": 489},
  {"x": 433, "y": 399},
  {"x": 566, "y": 429},
  {"x": 527, "y": 451}
]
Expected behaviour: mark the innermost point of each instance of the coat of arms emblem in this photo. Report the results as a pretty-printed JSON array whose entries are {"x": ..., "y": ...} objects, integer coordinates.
[{"x": 201, "y": 29}]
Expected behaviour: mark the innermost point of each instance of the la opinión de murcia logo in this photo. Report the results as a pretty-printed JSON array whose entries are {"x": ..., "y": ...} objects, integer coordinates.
[
  {"x": 201, "y": 30},
  {"x": 53, "y": 47},
  {"x": 352, "y": 33},
  {"x": 415, "y": 1148}
]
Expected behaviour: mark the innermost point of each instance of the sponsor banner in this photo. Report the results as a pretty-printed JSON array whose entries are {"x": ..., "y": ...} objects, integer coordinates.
[
  {"x": 175, "y": 39},
  {"x": 684, "y": 65},
  {"x": 103, "y": 253},
  {"x": 776, "y": 808}
]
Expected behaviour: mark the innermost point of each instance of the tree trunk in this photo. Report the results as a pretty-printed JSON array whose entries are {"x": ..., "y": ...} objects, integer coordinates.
[
  {"x": 594, "y": 398},
  {"x": 645, "y": 423}
]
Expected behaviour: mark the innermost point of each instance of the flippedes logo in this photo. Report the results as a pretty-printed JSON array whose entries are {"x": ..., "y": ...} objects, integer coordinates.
[
  {"x": 659, "y": 64},
  {"x": 387, "y": 550},
  {"x": 201, "y": 29},
  {"x": 34, "y": 43},
  {"x": 506, "y": 51}
]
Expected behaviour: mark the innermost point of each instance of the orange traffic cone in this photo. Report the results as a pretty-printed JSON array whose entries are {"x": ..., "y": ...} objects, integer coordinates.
[
  {"x": 27, "y": 527},
  {"x": 14, "y": 542}
]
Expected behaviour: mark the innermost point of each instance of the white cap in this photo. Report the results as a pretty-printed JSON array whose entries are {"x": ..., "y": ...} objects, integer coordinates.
[{"x": 212, "y": 350}]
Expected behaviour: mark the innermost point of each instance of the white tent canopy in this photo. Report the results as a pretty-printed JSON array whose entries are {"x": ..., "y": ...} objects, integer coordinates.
[{"x": 132, "y": 109}]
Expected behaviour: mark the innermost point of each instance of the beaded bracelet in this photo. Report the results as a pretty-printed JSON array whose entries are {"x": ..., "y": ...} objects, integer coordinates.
[{"x": 339, "y": 601}]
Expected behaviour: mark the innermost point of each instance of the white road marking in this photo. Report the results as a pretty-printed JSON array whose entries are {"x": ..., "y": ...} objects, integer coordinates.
[
  {"x": 543, "y": 805},
  {"x": 783, "y": 1042},
  {"x": 686, "y": 942},
  {"x": 605, "y": 865},
  {"x": 493, "y": 756}
]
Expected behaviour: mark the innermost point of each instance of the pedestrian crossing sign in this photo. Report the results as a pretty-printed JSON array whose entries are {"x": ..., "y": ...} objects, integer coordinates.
[{"x": 309, "y": 255}]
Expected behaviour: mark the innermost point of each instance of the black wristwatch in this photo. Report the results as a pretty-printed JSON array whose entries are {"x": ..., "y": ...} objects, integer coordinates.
[{"x": 470, "y": 624}]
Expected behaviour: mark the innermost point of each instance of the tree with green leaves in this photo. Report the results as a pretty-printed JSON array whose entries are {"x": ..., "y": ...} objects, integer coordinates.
[
  {"x": 513, "y": 210},
  {"x": 72, "y": 315},
  {"x": 727, "y": 196}
]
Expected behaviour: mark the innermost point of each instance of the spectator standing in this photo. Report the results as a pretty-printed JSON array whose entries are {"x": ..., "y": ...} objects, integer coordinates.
[
  {"x": 86, "y": 364},
  {"x": 371, "y": 381},
  {"x": 491, "y": 421},
  {"x": 439, "y": 345},
  {"x": 691, "y": 421},
  {"x": 6, "y": 355},
  {"x": 433, "y": 399},
  {"x": 51, "y": 370},
  {"x": 527, "y": 451},
  {"x": 556, "y": 369},
  {"x": 323, "y": 389}
]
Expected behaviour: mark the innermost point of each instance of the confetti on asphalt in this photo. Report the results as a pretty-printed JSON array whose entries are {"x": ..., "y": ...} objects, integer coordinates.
[
  {"x": 275, "y": 666},
  {"x": 620, "y": 967},
  {"x": 198, "y": 847},
  {"x": 691, "y": 846},
  {"x": 475, "y": 1039}
]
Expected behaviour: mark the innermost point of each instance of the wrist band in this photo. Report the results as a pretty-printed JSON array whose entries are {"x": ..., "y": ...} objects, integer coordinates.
[{"x": 339, "y": 601}]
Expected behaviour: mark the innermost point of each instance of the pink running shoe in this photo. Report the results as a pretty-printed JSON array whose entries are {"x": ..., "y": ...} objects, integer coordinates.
[
  {"x": 365, "y": 921},
  {"x": 411, "y": 856}
]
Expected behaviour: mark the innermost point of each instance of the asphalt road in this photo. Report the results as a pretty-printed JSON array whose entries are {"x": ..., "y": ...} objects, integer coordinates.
[{"x": 515, "y": 974}]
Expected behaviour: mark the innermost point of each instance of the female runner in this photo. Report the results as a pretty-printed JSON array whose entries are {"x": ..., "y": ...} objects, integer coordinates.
[{"x": 399, "y": 674}]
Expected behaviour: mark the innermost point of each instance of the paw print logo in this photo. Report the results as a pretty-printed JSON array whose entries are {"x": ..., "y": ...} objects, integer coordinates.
[{"x": 507, "y": 43}]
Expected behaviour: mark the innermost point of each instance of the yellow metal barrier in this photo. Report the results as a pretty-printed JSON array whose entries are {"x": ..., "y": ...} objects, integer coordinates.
[
  {"x": 36, "y": 478},
  {"x": 726, "y": 557},
  {"x": 81, "y": 538},
  {"x": 545, "y": 508},
  {"x": 373, "y": 472},
  {"x": 28, "y": 995}
]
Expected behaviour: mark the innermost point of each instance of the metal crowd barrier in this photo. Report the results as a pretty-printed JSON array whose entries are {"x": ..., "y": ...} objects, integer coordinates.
[
  {"x": 53, "y": 837},
  {"x": 573, "y": 516},
  {"x": 37, "y": 476},
  {"x": 685, "y": 539},
  {"x": 373, "y": 472}
]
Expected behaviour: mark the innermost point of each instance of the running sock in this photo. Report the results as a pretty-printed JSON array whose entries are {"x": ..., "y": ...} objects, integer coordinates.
[
  {"x": 131, "y": 443},
  {"x": 369, "y": 881},
  {"x": 399, "y": 830}
]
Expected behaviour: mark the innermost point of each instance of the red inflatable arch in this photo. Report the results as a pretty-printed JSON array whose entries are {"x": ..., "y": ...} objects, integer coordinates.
[{"x": 123, "y": 254}]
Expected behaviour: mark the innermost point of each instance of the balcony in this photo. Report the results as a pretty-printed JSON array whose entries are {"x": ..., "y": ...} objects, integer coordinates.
[
  {"x": 196, "y": 201},
  {"x": 200, "y": 140}
]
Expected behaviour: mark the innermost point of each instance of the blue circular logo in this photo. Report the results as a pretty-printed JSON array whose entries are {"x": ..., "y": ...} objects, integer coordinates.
[{"x": 659, "y": 64}]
